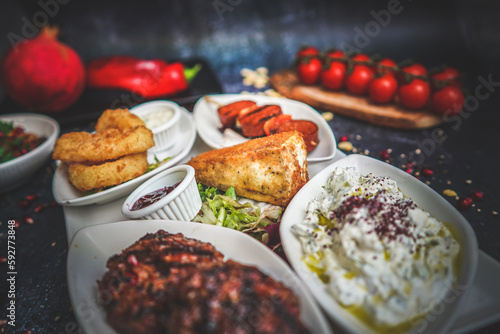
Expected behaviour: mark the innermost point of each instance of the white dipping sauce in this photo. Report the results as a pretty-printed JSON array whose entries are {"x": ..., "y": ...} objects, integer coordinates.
[{"x": 156, "y": 118}]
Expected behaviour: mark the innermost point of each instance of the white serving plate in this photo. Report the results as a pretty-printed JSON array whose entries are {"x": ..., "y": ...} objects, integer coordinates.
[
  {"x": 208, "y": 123},
  {"x": 92, "y": 246},
  {"x": 425, "y": 197},
  {"x": 66, "y": 194}
]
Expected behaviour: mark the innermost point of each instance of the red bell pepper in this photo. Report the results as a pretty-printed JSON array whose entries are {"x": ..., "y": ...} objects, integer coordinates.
[{"x": 147, "y": 78}]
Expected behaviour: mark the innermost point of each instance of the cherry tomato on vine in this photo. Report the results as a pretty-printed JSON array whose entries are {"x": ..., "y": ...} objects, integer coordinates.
[
  {"x": 309, "y": 70},
  {"x": 358, "y": 80},
  {"x": 308, "y": 65},
  {"x": 386, "y": 66},
  {"x": 307, "y": 51},
  {"x": 448, "y": 101},
  {"x": 361, "y": 57},
  {"x": 383, "y": 89},
  {"x": 415, "y": 69},
  {"x": 334, "y": 70},
  {"x": 449, "y": 76},
  {"x": 415, "y": 94}
]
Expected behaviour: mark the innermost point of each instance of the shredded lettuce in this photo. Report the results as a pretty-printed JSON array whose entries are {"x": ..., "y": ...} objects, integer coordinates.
[{"x": 224, "y": 209}]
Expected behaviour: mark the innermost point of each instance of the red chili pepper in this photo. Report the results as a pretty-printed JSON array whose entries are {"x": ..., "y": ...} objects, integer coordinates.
[{"x": 147, "y": 78}]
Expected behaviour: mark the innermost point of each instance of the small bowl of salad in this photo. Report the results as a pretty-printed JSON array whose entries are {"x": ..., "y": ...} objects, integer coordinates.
[{"x": 26, "y": 143}]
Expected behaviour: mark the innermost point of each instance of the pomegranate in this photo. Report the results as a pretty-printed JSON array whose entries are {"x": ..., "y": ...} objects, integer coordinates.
[{"x": 43, "y": 74}]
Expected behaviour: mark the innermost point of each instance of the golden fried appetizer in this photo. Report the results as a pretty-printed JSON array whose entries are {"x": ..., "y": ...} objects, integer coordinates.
[
  {"x": 118, "y": 118},
  {"x": 108, "y": 144},
  {"x": 88, "y": 177},
  {"x": 269, "y": 169}
]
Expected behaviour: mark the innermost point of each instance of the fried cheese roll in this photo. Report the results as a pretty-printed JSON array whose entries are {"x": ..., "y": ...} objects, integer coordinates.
[{"x": 89, "y": 177}]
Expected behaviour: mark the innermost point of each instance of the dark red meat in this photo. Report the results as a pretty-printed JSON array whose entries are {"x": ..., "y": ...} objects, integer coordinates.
[{"x": 167, "y": 283}]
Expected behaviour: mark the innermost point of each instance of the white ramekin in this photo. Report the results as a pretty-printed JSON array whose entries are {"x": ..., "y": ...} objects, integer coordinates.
[
  {"x": 182, "y": 204},
  {"x": 166, "y": 134}
]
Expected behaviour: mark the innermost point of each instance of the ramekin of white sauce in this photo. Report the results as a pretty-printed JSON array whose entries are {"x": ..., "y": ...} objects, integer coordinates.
[{"x": 162, "y": 118}]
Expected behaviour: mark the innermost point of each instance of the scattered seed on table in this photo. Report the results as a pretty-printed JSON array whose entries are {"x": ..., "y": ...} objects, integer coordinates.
[
  {"x": 345, "y": 146},
  {"x": 327, "y": 116},
  {"x": 449, "y": 192}
]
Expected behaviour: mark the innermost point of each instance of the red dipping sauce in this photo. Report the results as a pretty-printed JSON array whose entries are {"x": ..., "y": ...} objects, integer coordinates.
[{"x": 152, "y": 197}]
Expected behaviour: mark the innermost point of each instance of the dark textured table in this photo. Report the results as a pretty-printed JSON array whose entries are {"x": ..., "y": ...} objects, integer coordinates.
[{"x": 465, "y": 157}]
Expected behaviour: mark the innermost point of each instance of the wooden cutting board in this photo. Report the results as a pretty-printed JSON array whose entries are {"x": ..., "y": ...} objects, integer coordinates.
[{"x": 391, "y": 115}]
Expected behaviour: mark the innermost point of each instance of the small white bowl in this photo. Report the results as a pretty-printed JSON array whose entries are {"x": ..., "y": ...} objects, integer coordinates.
[
  {"x": 166, "y": 132},
  {"x": 183, "y": 203},
  {"x": 17, "y": 171}
]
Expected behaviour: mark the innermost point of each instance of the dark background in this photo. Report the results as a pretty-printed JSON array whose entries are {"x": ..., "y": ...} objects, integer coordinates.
[{"x": 232, "y": 34}]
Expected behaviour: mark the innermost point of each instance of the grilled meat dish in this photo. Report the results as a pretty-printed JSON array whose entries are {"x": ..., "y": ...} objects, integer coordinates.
[
  {"x": 229, "y": 112},
  {"x": 251, "y": 120},
  {"x": 233, "y": 298},
  {"x": 167, "y": 283}
]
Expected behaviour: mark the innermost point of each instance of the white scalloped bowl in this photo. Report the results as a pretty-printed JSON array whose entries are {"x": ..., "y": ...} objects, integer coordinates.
[
  {"x": 182, "y": 203},
  {"x": 167, "y": 133},
  {"x": 15, "y": 172}
]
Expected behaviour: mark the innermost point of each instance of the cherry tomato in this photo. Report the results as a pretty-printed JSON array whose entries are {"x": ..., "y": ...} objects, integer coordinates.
[
  {"x": 386, "y": 65},
  {"x": 358, "y": 80},
  {"x": 307, "y": 51},
  {"x": 415, "y": 69},
  {"x": 383, "y": 89},
  {"x": 334, "y": 70},
  {"x": 415, "y": 94},
  {"x": 448, "y": 101},
  {"x": 309, "y": 70},
  {"x": 336, "y": 55},
  {"x": 361, "y": 57},
  {"x": 449, "y": 76}
]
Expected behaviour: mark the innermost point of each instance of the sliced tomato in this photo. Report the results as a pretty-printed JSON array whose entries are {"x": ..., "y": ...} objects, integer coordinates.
[{"x": 274, "y": 122}]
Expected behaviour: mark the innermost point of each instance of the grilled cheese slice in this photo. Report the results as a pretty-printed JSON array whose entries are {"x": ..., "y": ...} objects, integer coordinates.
[{"x": 269, "y": 169}]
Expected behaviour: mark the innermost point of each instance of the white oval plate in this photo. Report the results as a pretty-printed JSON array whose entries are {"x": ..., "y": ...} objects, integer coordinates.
[
  {"x": 208, "y": 123},
  {"x": 425, "y": 197},
  {"x": 66, "y": 194},
  {"x": 91, "y": 247}
]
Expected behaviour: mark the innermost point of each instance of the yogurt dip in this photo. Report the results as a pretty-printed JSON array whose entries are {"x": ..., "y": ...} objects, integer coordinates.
[
  {"x": 378, "y": 254},
  {"x": 158, "y": 117}
]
